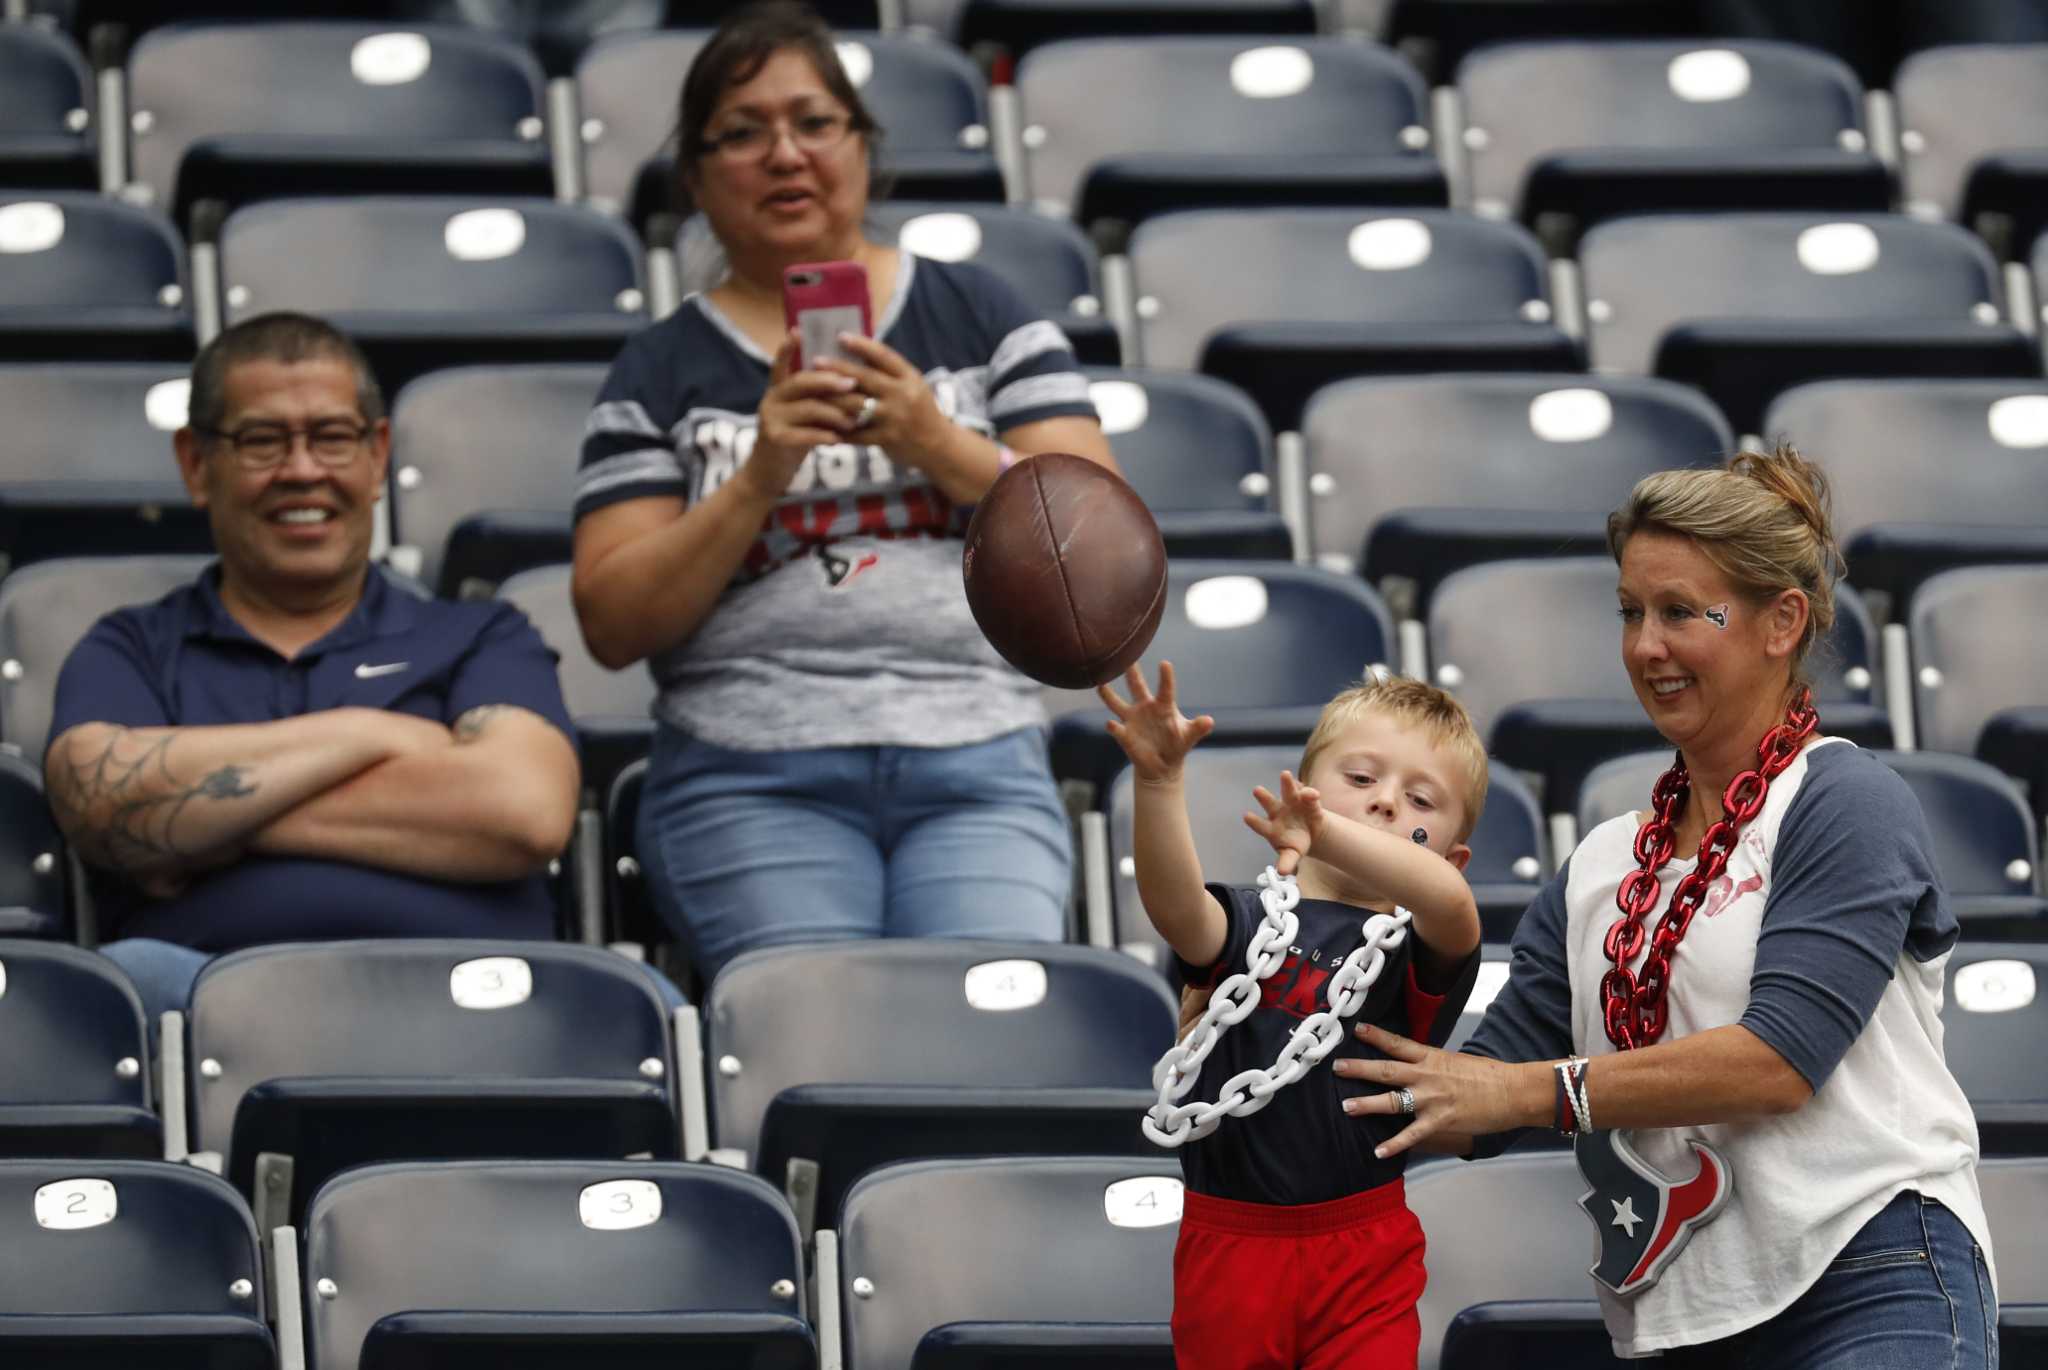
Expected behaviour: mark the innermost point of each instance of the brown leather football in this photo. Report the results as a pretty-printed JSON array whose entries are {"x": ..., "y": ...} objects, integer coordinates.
[{"x": 1065, "y": 570}]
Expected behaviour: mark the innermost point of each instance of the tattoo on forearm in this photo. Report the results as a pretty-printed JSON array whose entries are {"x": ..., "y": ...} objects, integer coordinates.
[
  {"x": 473, "y": 722},
  {"x": 120, "y": 800}
]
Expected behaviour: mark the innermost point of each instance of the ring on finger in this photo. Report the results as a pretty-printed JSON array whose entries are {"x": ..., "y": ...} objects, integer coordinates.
[
  {"x": 866, "y": 416},
  {"x": 1407, "y": 1098}
]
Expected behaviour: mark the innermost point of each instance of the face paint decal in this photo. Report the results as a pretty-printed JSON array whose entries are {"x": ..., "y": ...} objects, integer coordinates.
[
  {"x": 1420, "y": 837},
  {"x": 1717, "y": 614}
]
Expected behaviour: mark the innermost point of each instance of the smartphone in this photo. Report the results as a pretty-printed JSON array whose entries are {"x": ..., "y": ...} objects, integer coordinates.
[{"x": 821, "y": 300}]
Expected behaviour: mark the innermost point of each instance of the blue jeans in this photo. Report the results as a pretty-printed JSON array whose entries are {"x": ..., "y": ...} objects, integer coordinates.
[
  {"x": 1909, "y": 1292},
  {"x": 759, "y": 849}
]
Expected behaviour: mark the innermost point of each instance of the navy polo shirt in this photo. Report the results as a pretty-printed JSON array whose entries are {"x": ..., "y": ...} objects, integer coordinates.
[{"x": 185, "y": 662}]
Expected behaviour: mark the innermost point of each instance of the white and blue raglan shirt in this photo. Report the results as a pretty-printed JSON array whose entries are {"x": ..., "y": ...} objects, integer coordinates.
[
  {"x": 1826, "y": 936},
  {"x": 847, "y": 624}
]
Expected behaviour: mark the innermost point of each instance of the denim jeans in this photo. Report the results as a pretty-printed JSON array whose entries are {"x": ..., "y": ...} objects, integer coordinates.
[
  {"x": 757, "y": 849},
  {"x": 1909, "y": 1292}
]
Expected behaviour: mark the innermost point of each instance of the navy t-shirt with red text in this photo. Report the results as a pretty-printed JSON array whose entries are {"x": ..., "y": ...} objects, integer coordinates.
[{"x": 1302, "y": 1148}]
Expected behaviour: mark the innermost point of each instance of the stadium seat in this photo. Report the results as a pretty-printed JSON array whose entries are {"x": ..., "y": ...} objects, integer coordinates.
[
  {"x": 1619, "y": 785},
  {"x": 826, "y": 1061},
  {"x": 1533, "y": 649},
  {"x": 45, "y": 609},
  {"x": 928, "y": 98},
  {"x": 1903, "y": 513},
  {"x": 427, "y": 282},
  {"x": 1260, "y": 645},
  {"x": 1509, "y": 1248},
  {"x": 310, "y": 1057},
  {"x": 113, "y": 1264},
  {"x": 1767, "y": 301},
  {"x": 1019, "y": 25},
  {"x": 1282, "y": 301},
  {"x": 1994, "y": 1017},
  {"x": 46, "y": 111},
  {"x": 1586, "y": 131},
  {"x": 85, "y": 278},
  {"x": 975, "y": 1264},
  {"x": 32, "y": 874},
  {"x": 1047, "y": 261},
  {"x": 2016, "y": 1205},
  {"x": 1438, "y": 35},
  {"x": 1124, "y": 129},
  {"x": 1973, "y": 125},
  {"x": 2016, "y": 741},
  {"x": 86, "y": 462},
  {"x": 1979, "y": 647},
  {"x": 1417, "y": 476},
  {"x": 519, "y": 1265},
  {"x": 75, "y": 1078},
  {"x": 1984, "y": 844},
  {"x": 483, "y": 469},
  {"x": 240, "y": 112},
  {"x": 1199, "y": 454}
]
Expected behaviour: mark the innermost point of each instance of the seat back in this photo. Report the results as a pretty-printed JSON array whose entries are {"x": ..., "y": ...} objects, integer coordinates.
[
  {"x": 591, "y": 690},
  {"x": 46, "y": 107},
  {"x": 915, "y": 1012},
  {"x": 1007, "y": 1239},
  {"x": 1984, "y": 842},
  {"x": 2015, "y": 1192},
  {"x": 1619, "y": 785},
  {"x": 1185, "y": 442},
  {"x": 82, "y": 265},
  {"x": 1993, "y": 1017},
  {"x": 46, "y": 608},
  {"x": 32, "y": 874},
  {"x": 73, "y": 1026},
  {"x": 1980, "y": 644},
  {"x": 1049, "y": 262},
  {"x": 1959, "y": 104},
  {"x": 533, "y": 1237}
]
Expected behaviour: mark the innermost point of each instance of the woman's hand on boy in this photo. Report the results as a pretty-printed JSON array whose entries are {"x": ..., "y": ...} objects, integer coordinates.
[
  {"x": 1292, "y": 823},
  {"x": 1456, "y": 1096},
  {"x": 1150, "y": 727}
]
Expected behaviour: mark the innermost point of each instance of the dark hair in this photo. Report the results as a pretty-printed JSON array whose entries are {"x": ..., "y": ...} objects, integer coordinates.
[
  {"x": 278, "y": 337},
  {"x": 735, "y": 55}
]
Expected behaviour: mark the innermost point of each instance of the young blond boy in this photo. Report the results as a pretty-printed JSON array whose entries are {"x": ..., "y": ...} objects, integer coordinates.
[{"x": 1297, "y": 1248}]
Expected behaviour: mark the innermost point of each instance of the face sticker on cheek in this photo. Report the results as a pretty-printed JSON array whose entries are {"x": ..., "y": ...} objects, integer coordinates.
[
  {"x": 1717, "y": 614},
  {"x": 1420, "y": 837}
]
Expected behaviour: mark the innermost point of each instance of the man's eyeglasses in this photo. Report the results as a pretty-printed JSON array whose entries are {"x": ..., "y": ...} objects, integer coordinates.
[
  {"x": 750, "y": 142},
  {"x": 261, "y": 446}
]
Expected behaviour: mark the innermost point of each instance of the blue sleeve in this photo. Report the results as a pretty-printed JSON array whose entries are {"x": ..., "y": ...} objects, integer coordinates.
[
  {"x": 1242, "y": 908},
  {"x": 108, "y": 678},
  {"x": 1032, "y": 373},
  {"x": 1853, "y": 884},
  {"x": 1531, "y": 1018},
  {"x": 510, "y": 664},
  {"x": 627, "y": 452}
]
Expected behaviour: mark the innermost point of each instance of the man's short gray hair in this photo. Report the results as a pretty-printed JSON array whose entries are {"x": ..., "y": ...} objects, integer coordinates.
[{"x": 279, "y": 337}]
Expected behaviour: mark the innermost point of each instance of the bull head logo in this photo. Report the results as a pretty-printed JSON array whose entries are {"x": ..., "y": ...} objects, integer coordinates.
[{"x": 1643, "y": 1219}]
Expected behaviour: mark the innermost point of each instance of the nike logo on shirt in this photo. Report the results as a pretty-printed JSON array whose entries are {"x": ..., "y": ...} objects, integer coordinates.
[{"x": 365, "y": 671}]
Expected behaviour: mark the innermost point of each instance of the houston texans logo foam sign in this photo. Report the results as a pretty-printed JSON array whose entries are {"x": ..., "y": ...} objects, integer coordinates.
[{"x": 1643, "y": 1219}]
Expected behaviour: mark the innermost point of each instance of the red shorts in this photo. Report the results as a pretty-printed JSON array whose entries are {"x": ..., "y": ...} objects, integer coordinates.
[{"x": 1329, "y": 1286}]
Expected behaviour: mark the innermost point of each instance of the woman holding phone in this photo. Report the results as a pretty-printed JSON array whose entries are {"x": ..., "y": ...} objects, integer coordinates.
[{"x": 839, "y": 752}]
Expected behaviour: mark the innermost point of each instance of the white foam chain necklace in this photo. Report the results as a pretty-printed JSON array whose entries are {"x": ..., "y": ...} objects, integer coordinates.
[{"x": 1172, "y": 1123}]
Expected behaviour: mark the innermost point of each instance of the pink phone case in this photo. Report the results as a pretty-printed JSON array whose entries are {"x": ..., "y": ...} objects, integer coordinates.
[{"x": 821, "y": 300}]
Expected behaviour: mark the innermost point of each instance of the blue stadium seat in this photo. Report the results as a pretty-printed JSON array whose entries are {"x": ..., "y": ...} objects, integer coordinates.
[
  {"x": 631, "y": 908},
  {"x": 1417, "y": 476},
  {"x": 928, "y": 98},
  {"x": 2016, "y": 1205},
  {"x": 826, "y": 1061},
  {"x": 86, "y": 463},
  {"x": 520, "y": 1265},
  {"x": 32, "y": 873},
  {"x": 1586, "y": 131},
  {"x": 1767, "y": 301},
  {"x": 1199, "y": 454},
  {"x": 2016, "y": 741},
  {"x": 75, "y": 1078},
  {"x": 1533, "y": 649},
  {"x": 1260, "y": 645},
  {"x": 1984, "y": 843},
  {"x": 45, "y": 609},
  {"x": 979, "y": 1264},
  {"x": 332, "y": 1054},
  {"x": 1979, "y": 648},
  {"x": 1904, "y": 514},
  {"x": 84, "y": 278},
  {"x": 240, "y": 112},
  {"x": 1973, "y": 125},
  {"x": 1281, "y": 301},
  {"x": 431, "y": 281},
  {"x": 1047, "y": 261},
  {"x": 483, "y": 469},
  {"x": 1994, "y": 1017},
  {"x": 1123, "y": 129},
  {"x": 46, "y": 111},
  {"x": 1019, "y": 25},
  {"x": 109, "y": 1265}
]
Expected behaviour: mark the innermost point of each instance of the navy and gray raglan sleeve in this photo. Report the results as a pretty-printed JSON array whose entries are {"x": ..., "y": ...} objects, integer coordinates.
[
  {"x": 627, "y": 451},
  {"x": 1853, "y": 883},
  {"x": 1032, "y": 373}
]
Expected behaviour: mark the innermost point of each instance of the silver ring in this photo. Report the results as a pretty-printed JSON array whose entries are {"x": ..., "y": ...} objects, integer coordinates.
[
  {"x": 1407, "y": 1098},
  {"x": 866, "y": 415}
]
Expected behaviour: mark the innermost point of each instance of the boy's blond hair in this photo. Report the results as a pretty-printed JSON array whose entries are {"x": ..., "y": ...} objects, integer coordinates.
[{"x": 1416, "y": 704}]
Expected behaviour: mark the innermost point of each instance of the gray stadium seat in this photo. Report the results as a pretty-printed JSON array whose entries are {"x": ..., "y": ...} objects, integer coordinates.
[
  {"x": 86, "y": 463},
  {"x": 86, "y": 278},
  {"x": 1127, "y": 128},
  {"x": 1973, "y": 123},
  {"x": 45, "y": 609},
  {"x": 47, "y": 99},
  {"x": 1767, "y": 301},
  {"x": 238, "y": 112},
  {"x": 2016, "y": 1205},
  {"x": 1586, "y": 131},
  {"x": 1927, "y": 475},
  {"x": 1994, "y": 1018},
  {"x": 946, "y": 1265},
  {"x": 1984, "y": 844},
  {"x": 1979, "y": 646},
  {"x": 1283, "y": 301},
  {"x": 1416, "y": 476},
  {"x": 32, "y": 865},
  {"x": 519, "y": 1265},
  {"x": 1619, "y": 785},
  {"x": 107, "y": 1265},
  {"x": 75, "y": 1078}
]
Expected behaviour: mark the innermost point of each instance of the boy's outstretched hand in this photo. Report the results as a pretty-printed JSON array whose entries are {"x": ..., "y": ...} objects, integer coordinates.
[
  {"x": 1292, "y": 823},
  {"x": 1150, "y": 727}
]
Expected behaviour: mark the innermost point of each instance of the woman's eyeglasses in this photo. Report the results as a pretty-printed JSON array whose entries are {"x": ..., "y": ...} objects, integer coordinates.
[{"x": 751, "y": 142}]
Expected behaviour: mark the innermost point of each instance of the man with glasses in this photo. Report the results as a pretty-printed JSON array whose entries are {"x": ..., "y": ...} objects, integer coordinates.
[{"x": 293, "y": 747}]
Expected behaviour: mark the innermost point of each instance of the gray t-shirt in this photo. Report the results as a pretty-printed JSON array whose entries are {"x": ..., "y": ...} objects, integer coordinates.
[{"x": 847, "y": 624}]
